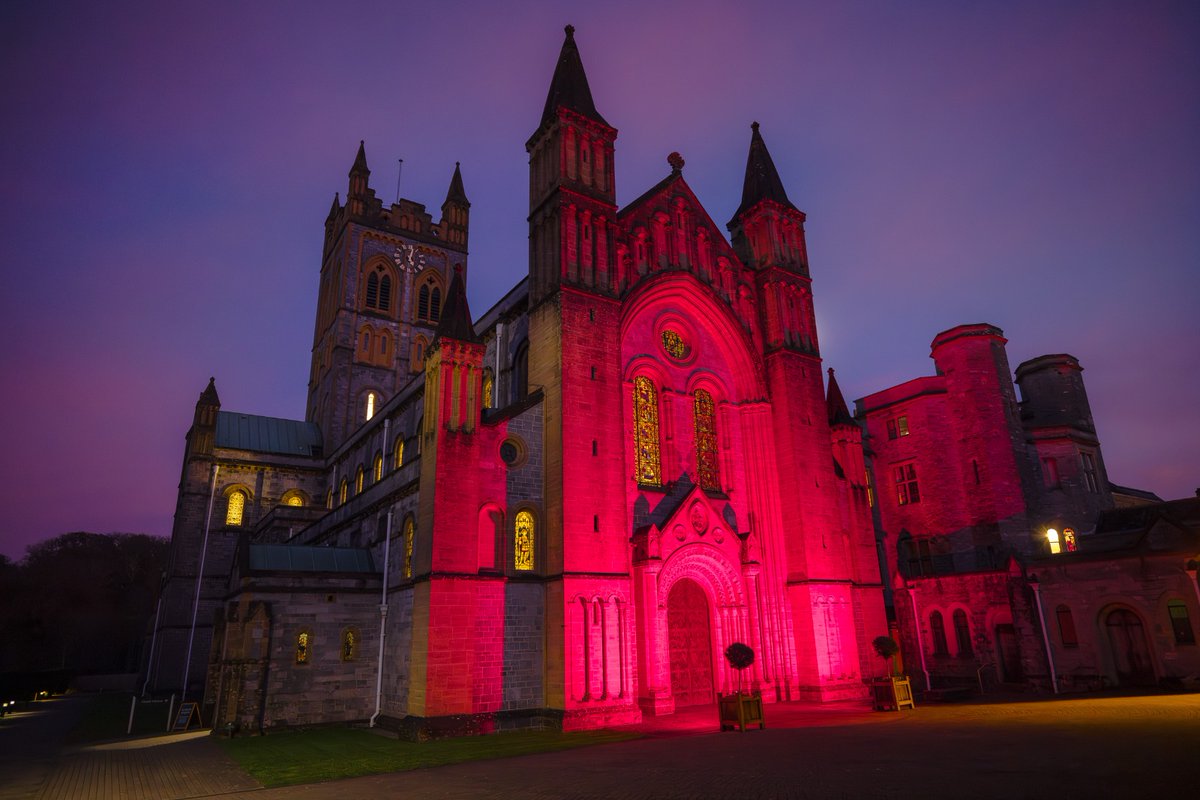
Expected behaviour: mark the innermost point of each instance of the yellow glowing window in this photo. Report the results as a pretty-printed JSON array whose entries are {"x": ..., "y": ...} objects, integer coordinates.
[
  {"x": 1053, "y": 540},
  {"x": 294, "y": 499},
  {"x": 302, "y": 648},
  {"x": 645, "y": 432},
  {"x": 408, "y": 547},
  {"x": 342, "y": 491},
  {"x": 329, "y": 499},
  {"x": 358, "y": 481},
  {"x": 377, "y": 470},
  {"x": 675, "y": 345},
  {"x": 235, "y": 508},
  {"x": 370, "y": 404},
  {"x": 1069, "y": 540},
  {"x": 523, "y": 540},
  {"x": 399, "y": 454},
  {"x": 349, "y": 645},
  {"x": 707, "y": 465},
  {"x": 489, "y": 387}
]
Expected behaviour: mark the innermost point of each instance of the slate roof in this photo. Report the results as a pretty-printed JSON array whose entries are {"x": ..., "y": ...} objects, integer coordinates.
[
  {"x": 762, "y": 179},
  {"x": 299, "y": 558},
  {"x": 456, "y": 314},
  {"x": 569, "y": 87},
  {"x": 456, "y": 193},
  {"x": 835, "y": 404},
  {"x": 267, "y": 434}
]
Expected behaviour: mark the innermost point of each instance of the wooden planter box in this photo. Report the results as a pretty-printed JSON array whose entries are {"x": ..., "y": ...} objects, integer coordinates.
[
  {"x": 892, "y": 694},
  {"x": 740, "y": 709}
]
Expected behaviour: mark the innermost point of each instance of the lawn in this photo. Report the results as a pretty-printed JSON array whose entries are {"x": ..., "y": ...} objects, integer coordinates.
[{"x": 324, "y": 754}]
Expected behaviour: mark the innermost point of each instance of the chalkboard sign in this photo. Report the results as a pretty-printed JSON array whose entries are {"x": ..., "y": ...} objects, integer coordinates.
[{"x": 187, "y": 712}]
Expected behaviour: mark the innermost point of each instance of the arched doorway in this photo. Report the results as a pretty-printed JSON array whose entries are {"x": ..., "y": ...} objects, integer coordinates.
[
  {"x": 690, "y": 638},
  {"x": 1130, "y": 653}
]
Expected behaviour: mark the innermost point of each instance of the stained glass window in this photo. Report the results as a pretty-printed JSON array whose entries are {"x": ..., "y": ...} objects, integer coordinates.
[
  {"x": 675, "y": 345},
  {"x": 293, "y": 498},
  {"x": 302, "y": 651},
  {"x": 523, "y": 533},
  {"x": 645, "y": 436},
  {"x": 342, "y": 491},
  {"x": 399, "y": 454},
  {"x": 358, "y": 481},
  {"x": 349, "y": 644},
  {"x": 235, "y": 508},
  {"x": 489, "y": 388},
  {"x": 378, "y": 467},
  {"x": 408, "y": 547},
  {"x": 1069, "y": 540},
  {"x": 707, "y": 465}
]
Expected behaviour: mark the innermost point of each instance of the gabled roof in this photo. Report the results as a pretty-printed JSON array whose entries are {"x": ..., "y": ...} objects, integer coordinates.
[
  {"x": 267, "y": 434},
  {"x": 762, "y": 179},
  {"x": 569, "y": 86},
  {"x": 456, "y": 314}
]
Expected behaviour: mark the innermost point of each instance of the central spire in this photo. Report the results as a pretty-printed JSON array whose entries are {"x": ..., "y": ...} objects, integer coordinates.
[{"x": 569, "y": 87}]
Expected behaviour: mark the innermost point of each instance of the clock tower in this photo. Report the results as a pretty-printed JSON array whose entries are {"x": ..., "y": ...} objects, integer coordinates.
[{"x": 385, "y": 275}]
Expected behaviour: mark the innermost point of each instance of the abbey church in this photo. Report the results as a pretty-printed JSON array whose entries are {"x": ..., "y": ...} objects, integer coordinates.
[{"x": 560, "y": 513}]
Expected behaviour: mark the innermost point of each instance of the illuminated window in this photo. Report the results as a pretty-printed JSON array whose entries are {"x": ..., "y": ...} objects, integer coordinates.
[
  {"x": 897, "y": 427},
  {"x": 707, "y": 465},
  {"x": 1066, "y": 627},
  {"x": 675, "y": 345},
  {"x": 1089, "y": 472},
  {"x": 342, "y": 491},
  {"x": 870, "y": 489},
  {"x": 645, "y": 432},
  {"x": 1180, "y": 624},
  {"x": 962, "y": 634},
  {"x": 1053, "y": 541},
  {"x": 398, "y": 454},
  {"x": 293, "y": 498},
  {"x": 377, "y": 468},
  {"x": 235, "y": 507},
  {"x": 1069, "y": 540},
  {"x": 937, "y": 630},
  {"x": 408, "y": 547},
  {"x": 329, "y": 499},
  {"x": 370, "y": 404},
  {"x": 523, "y": 540},
  {"x": 907, "y": 490},
  {"x": 489, "y": 389},
  {"x": 303, "y": 648},
  {"x": 358, "y": 481},
  {"x": 349, "y": 644}
]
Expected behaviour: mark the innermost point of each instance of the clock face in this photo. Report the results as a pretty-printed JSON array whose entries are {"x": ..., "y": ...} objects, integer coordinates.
[{"x": 409, "y": 257}]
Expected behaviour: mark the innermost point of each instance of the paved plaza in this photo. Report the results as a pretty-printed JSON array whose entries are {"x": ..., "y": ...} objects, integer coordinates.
[{"x": 1093, "y": 747}]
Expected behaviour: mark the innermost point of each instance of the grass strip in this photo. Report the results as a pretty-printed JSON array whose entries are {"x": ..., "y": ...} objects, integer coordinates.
[{"x": 326, "y": 754}]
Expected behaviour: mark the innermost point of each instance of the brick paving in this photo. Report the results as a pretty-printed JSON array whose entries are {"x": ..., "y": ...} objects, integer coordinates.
[{"x": 1094, "y": 747}]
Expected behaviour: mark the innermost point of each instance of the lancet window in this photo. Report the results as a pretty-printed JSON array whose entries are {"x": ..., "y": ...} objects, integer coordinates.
[
  {"x": 408, "y": 547},
  {"x": 645, "y": 427},
  {"x": 523, "y": 540},
  {"x": 235, "y": 508},
  {"x": 708, "y": 467}
]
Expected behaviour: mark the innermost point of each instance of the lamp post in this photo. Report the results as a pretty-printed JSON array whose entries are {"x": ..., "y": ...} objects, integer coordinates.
[{"x": 1037, "y": 600}]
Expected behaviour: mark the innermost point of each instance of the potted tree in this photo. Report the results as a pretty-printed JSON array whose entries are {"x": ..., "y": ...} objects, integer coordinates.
[
  {"x": 740, "y": 708},
  {"x": 893, "y": 691}
]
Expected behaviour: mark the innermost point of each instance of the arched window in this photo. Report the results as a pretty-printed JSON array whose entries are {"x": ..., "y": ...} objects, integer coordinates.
[
  {"x": 398, "y": 454},
  {"x": 435, "y": 304},
  {"x": 1181, "y": 626},
  {"x": 962, "y": 634},
  {"x": 489, "y": 389},
  {"x": 645, "y": 432},
  {"x": 343, "y": 490},
  {"x": 418, "y": 354},
  {"x": 408, "y": 547},
  {"x": 303, "y": 647},
  {"x": 429, "y": 300},
  {"x": 523, "y": 540},
  {"x": 373, "y": 289},
  {"x": 329, "y": 499},
  {"x": 708, "y": 467},
  {"x": 349, "y": 644},
  {"x": 377, "y": 468},
  {"x": 358, "y": 481},
  {"x": 937, "y": 629},
  {"x": 378, "y": 293},
  {"x": 520, "y": 374},
  {"x": 385, "y": 292},
  {"x": 235, "y": 508},
  {"x": 370, "y": 411},
  {"x": 1053, "y": 542},
  {"x": 293, "y": 497},
  {"x": 1066, "y": 627}
]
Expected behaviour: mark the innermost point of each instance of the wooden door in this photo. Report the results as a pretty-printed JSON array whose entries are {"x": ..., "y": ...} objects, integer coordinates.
[
  {"x": 1131, "y": 656},
  {"x": 690, "y": 637}
]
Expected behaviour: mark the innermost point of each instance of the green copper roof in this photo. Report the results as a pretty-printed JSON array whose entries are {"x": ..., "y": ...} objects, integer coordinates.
[
  {"x": 298, "y": 558},
  {"x": 267, "y": 434}
]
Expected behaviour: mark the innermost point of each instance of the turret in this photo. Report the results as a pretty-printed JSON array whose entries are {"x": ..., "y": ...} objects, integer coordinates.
[
  {"x": 767, "y": 230},
  {"x": 456, "y": 210},
  {"x": 356, "y": 196},
  {"x": 204, "y": 422}
]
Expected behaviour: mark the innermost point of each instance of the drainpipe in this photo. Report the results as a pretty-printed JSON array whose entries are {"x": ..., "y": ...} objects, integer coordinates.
[
  {"x": 1037, "y": 599},
  {"x": 383, "y": 609},
  {"x": 920, "y": 645},
  {"x": 187, "y": 663}
]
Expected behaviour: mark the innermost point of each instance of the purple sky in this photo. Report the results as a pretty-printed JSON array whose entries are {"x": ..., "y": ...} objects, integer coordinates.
[{"x": 167, "y": 169}]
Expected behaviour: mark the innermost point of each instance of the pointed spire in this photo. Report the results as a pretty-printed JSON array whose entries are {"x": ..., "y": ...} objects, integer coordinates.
[
  {"x": 360, "y": 160},
  {"x": 456, "y": 314},
  {"x": 333, "y": 209},
  {"x": 209, "y": 396},
  {"x": 762, "y": 179},
  {"x": 569, "y": 87},
  {"x": 456, "y": 193},
  {"x": 835, "y": 404}
]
